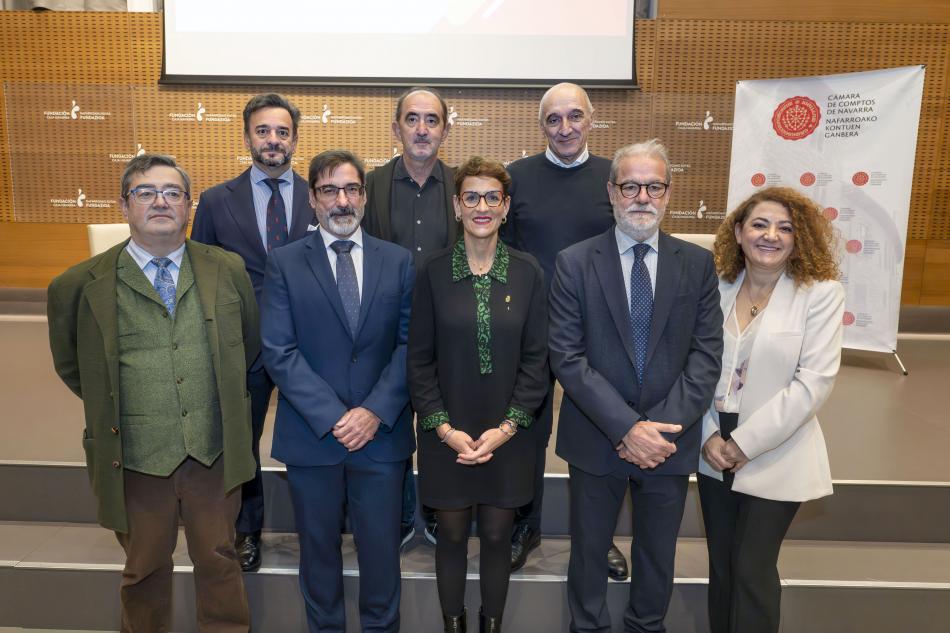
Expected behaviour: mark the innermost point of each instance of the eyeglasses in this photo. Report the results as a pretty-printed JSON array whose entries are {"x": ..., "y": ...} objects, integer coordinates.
[
  {"x": 330, "y": 192},
  {"x": 632, "y": 189},
  {"x": 147, "y": 195},
  {"x": 470, "y": 199}
]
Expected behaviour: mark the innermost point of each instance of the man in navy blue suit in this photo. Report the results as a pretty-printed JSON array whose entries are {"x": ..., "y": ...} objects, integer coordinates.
[
  {"x": 263, "y": 208},
  {"x": 334, "y": 323},
  {"x": 636, "y": 341}
]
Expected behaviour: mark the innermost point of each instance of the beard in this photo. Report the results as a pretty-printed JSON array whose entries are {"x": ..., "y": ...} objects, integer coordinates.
[
  {"x": 343, "y": 221},
  {"x": 257, "y": 153},
  {"x": 638, "y": 226}
]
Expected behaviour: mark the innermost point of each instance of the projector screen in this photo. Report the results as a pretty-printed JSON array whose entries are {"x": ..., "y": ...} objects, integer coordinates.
[{"x": 398, "y": 42}]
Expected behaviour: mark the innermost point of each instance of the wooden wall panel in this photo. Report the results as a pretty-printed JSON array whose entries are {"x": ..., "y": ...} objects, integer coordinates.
[
  {"x": 915, "y": 11},
  {"x": 935, "y": 283},
  {"x": 33, "y": 253},
  {"x": 687, "y": 65}
]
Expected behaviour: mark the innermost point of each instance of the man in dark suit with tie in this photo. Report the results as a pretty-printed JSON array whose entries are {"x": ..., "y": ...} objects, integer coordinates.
[
  {"x": 263, "y": 208},
  {"x": 636, "y": 341},
  {"x": 334, "y": 323}
]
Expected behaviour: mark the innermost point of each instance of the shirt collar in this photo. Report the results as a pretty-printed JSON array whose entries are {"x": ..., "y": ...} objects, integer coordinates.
[
  {"x": 142, "y": 257},
  {"x": 625, "y": 242},
  {"x": 329, "y": 238},
  {"x": 551, "y": 156},
  {"x": 401, "y": 173},
  {"x": 257, "y": 175},
  {"x": 461, "y": 270}
]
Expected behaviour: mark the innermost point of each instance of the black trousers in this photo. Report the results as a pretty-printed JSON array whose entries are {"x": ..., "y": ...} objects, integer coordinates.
[
  {"x": 744, "y": 535},
  {"x": 658, "y": 502}
]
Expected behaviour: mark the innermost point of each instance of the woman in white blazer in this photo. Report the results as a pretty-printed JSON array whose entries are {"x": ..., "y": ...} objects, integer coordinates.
[{"x": 763, "y": 450}]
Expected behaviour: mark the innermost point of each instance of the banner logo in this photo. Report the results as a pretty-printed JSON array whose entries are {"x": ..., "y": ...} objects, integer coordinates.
[
  {"x": 758, "y": 179},
  {"x": 201, "y": 114},
  {"x": 79, "y": 201},
  {"x": 455, "y": 119},
  {"x": 861, "y": 178},
  {"x": 75, "y": 113},
  {"x": 796, "y": 118},
  {"x": 831, "y": 213},
  {"x": 326, "y": 117},
  {"x": 708, "y": 122},
  {"x": 807, "y": 179}
]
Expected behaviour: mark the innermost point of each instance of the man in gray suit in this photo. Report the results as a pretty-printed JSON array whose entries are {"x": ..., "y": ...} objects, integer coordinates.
[{"x": 636, "y": 342}]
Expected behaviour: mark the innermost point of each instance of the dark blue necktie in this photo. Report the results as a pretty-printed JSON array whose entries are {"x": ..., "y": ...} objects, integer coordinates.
[
  {"x": 346, "y": 282},
  {"x": 164, "y": 283},
  {"x": 641, "y": 306},
  {"x": 276, "y": 216}
]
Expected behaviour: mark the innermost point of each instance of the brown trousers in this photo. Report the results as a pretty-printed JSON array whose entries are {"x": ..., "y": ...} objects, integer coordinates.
[{"x": 195, "y": 493}]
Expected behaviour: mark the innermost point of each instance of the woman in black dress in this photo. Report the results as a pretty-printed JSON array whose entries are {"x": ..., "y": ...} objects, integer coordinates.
[{"x": 477, "y": 374}]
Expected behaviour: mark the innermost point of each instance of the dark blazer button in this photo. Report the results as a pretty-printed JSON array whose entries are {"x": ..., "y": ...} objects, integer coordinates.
[
  {"x": 116, "y": 464},
  {"x": 115, "y": 430},
  {"x": 353, "y": 359}
]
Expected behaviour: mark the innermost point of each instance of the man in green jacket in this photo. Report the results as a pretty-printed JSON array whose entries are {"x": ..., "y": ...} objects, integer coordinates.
[{"x": 155, "y": 336}]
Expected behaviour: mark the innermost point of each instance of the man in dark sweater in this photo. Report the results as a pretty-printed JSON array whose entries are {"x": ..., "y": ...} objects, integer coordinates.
[{"x": 558, "y": 198}]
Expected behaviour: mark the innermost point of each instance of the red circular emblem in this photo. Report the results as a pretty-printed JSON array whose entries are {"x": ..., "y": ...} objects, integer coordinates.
[
  {"x": 758, "y": 179},
  {"x": 860, "y": 178},
  {"x": 853, "y": 246},
  {"x": 831, "y": 213},
  {"x": 848, "y": 318},
  {"x": 807, "y": 179},
  {"x": 795, "y": 118}
]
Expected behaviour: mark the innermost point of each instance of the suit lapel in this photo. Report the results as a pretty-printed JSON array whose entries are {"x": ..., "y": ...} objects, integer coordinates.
[
  {"x": 241, "y": 207},
  {"x": 384, "y": 188},
  {"x": 205, "y": 270},
  {"x": 606, "y": 262},
  {"x": 100, "y": 293},
  {"x": 448, "y": 186},
  {"x": 669, "y": 269},
  {"x": 316, "y": 256},
  {"x": 302, "y": 212},
  {"x": 780, "y": 305},
  {"x": 371, "y": 272}
]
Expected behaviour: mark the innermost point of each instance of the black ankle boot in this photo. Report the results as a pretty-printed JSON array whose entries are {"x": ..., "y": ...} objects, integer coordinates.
[
  {"x": 487, "y": 624},
  {"x": 454, "y": 623}
]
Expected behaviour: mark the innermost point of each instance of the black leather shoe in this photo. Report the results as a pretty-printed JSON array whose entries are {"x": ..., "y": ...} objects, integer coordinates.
[
  {"x": 616, "y": 564},
  {"x": 523, "y": 540},
  {"x": 487, "y": 624},
  {"x": 248, "y": 548},
  {"x": 454, "y": 623},
  {"x": 431, "y": 530}
]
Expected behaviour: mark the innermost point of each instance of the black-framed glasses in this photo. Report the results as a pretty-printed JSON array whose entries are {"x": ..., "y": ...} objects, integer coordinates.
[
  {"x": 351, "y": 190},
  {"x": 632, "y": 189},
  {"x": 147, "y": 195},
  {"x": 470, "y": 199}
]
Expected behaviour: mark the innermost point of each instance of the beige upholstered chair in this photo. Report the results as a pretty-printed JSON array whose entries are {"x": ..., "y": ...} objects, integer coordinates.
[
  {"x": 705, "y": 240},
  {"x": 104, "y": 236}
]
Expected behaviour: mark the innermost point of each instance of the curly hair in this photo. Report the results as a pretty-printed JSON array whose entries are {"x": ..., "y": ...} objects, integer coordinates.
[
  {"x": 478, "y": 167},
  {"x": 813, "y": 257}
]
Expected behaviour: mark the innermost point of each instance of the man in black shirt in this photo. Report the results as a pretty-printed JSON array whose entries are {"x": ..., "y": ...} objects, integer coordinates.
[
  {"x": 409, "y": 202},
  {"x": 558, "y": 198}
]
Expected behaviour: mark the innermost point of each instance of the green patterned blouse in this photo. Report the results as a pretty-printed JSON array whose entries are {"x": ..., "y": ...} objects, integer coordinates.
[{"x": 482, "y": 287}]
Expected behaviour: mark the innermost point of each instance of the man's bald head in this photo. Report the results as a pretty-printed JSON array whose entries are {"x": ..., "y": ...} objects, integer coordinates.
[{"x": 566, "y": 117}]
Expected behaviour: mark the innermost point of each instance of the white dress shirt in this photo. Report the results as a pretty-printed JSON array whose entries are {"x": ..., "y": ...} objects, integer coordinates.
[
  {"x": 144, "y": 259},
  {"x": 625, "y": 245},
  {"x": 262, "y": 193},
  {"x": 356, "y": 254},
  {"x": 580, "y": 160}
]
